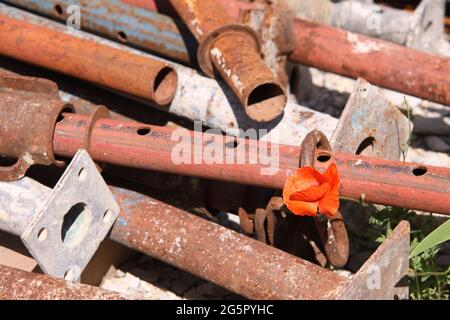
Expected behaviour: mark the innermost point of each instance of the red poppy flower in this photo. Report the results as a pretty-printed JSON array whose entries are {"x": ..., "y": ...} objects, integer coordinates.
[{"x": 308, "y": 191}]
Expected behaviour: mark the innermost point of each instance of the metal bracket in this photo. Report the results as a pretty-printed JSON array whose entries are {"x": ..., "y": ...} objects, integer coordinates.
[
  {"x": 380, "y": 276},
  {"x": 370, "y": 125},
  {"x": 67, "y": 229}
]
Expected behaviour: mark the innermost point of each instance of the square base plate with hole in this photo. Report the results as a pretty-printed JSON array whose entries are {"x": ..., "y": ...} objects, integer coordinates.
[{"x": 66, "y": 231}]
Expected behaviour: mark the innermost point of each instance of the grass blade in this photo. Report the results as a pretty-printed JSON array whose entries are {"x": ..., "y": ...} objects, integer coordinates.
[{"x": 435, "y": 238}]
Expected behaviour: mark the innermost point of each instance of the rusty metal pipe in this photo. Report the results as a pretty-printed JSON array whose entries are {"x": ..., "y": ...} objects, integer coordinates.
[
  {"x": 234, "y": 50},
  {"x": 127, "y": 24},
  {"x": 21, "y": 285},
  {"x": 205, "y": 99},
  {"x": 380, "y": 62},
  {"x": 227, "y": 258},
  {"x": 128, "y": 73},
  {"x": 374, "y": 180},
  {"x": 353, "y": 55}
]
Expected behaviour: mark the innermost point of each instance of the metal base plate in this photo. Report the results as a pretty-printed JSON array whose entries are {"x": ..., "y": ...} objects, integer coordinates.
[{"x": 66, "y": 231}]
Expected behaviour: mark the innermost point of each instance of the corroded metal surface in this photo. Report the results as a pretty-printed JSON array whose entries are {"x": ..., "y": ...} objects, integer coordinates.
[
  {"x": 124, "y": 23},
  {"x": 275, "y": 28},
  {"x": 229, "y": 259},
  {"x": 207, "y": 100},
  {"x": 380, "y": 274},
  {"x": 353, "y": 55},
  {"x": 234, "y": 50},
  {"x": 422, "y": 30},
  {"x": 132, "y": 74},
  {"x": 20, "y": 285},
  {"x": 415, "y": 186},
  {"x": 29, "y": 109},
  {"x": 380, "y": 62}
]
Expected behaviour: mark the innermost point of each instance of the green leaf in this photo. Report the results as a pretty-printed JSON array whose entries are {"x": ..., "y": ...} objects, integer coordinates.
[{"x": 435, "y": 238}]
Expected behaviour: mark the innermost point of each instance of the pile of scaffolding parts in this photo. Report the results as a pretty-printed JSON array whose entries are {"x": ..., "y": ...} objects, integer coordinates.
[{"x": 149, "y": 122}]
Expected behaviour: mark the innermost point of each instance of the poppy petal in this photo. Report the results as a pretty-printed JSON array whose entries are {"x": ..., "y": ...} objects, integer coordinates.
[
  {"x": 329, "y": 204},
  {"x": 302, "y": 208},
  {"x": 311, "y": 194},
  {"x": 332, "y": 176},
  {"x": 288, "y": 188},
  {"x": 305, "y": 178}
]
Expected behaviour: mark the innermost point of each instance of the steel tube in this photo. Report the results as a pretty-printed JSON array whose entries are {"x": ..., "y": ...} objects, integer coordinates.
[
  {"x": 21, "y": 285},
  {"x": 422, "y": 29},
  {"x": 229, "y": 259},
  {"x": 32, "y": 196},
  {"x": 353, "y": 55},
  {"x": 128, "y": 24},
  {"x": 380, "y": 62},
  {"x": 395, "y": 183},
  {"x": 132, "y": 74},
  {"x": 203, "y": 99},
  {"x": 234, "y": 50}
]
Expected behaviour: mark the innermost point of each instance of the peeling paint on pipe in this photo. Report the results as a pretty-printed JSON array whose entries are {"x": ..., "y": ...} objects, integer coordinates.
[{"x": 127, "y": 24}]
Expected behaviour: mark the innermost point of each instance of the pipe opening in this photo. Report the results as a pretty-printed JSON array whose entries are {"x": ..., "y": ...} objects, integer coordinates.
[
  {"x": 165, "y": 85},
  {"x": 7, "y": 161},
  {"x": 122, "y": 36},
  {"x": 419, "y": 171},
  {"x": 75, "y": 224},
  {"x": 67, "y": 109},
  {"x": 58, "y": 9},
  {"x": 143, "y": 131},
  {"x": 366, "y": 147},
  {"x": 266, "y": 102}
]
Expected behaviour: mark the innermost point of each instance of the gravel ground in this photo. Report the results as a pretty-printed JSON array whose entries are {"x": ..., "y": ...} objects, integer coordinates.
[{"x": 148, "y": 278}]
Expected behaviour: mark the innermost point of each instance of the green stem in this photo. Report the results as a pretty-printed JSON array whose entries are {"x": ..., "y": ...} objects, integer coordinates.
[
  {"x": 438, "y": 283},
  {"x": 419, "y": 296}
]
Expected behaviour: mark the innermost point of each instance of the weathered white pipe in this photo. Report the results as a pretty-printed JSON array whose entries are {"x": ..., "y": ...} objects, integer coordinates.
[
  {"x": 422, "y": 30},
  {"x": 20, "y": 200}
]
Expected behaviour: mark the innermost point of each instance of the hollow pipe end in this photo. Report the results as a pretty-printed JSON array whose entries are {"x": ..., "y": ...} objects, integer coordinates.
[
  {"x": 204, "y": 48},
  {"x": 165, "y": 85},
  {"x": 266, "y": 102}
]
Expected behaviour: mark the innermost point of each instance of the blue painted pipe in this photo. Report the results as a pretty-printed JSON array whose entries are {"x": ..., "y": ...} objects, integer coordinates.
[{"x": 137, "y": 27}]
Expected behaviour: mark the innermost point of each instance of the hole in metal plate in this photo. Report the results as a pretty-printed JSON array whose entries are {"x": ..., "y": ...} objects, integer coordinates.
[
  {"x": 75, "y": 224},
  {"x": 42, "y": 234},
  {"x": 82, "y": 174}
]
